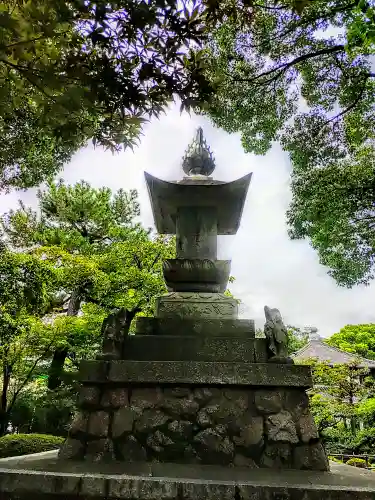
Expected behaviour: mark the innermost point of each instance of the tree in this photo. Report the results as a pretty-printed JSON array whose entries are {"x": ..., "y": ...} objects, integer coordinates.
[
  {"x": 125, "y": 274},
  {"x": 297, "y": 339},
  {"x": 99, "y": 255},
  {"x": 26, "y": 286},
  {"x": 337, "y": 393},
  {"x": 299, "y": 74},
  {"x": 358, "y": 339},
  {"x": 73, "y": 70}
]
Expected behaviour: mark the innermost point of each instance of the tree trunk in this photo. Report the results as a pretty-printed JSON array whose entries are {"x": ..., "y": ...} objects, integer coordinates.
[
  {"x": 4, "y": 414},
  {"x": 353, "y": 426},
  {"x": 59, "y": 357}
]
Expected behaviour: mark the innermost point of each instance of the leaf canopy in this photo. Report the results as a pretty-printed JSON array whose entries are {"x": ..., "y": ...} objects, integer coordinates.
[
  {"x": 74, "y": 70},
  {"x": 299, "y": 74}
]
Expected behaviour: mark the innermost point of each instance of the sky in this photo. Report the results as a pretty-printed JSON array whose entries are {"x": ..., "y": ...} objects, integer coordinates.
[{"x": 269, "y": 268}]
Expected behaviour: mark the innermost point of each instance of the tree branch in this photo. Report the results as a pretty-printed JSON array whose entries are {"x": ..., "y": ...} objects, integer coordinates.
[
  {"x": 351, "y": 106},
  {"x": 154, "y": 261},
  {"x": 365, "y": 219},
  {"x": 137, "y": 261},
  {"x": 347, "y": 109},
  {"x": 282, "y": 68},
  {"x": 22, "y": 42},
  {"x": 282, "y": 7},
  {"x": 308, "y": 21},
  {"x": 31, "y": 40},
  {"x": 23, "y": 71},
  {"x": 311, "y": 19}
]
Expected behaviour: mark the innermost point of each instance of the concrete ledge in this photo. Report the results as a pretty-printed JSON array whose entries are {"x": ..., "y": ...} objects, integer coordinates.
[
  {"x": 243, "y": 328},
  {"x": 196, "y": 348},
  {"x": 195, "y": 372},
  {"x": 32, "y": 457},
  {"x": 179, "y": 482}
]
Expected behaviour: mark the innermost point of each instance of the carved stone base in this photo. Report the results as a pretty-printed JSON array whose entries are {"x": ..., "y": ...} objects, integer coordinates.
[
  {"x": 238, "y": 427},
  {"x": 196, "y": 275},
  {"x": 196, "y": 305}
]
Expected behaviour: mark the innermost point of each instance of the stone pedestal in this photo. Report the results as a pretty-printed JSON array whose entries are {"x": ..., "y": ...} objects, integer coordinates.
[{"x": 220, "y": 413}]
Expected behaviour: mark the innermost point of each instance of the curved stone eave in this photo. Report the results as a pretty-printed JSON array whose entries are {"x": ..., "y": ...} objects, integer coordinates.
[{"x": 228, "y": 197}]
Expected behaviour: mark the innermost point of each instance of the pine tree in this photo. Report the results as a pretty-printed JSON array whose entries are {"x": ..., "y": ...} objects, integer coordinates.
[{"x": 101, "y": 255}]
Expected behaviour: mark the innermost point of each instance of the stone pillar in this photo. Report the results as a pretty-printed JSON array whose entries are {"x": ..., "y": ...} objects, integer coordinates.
[{"x": 196, "y": 233}]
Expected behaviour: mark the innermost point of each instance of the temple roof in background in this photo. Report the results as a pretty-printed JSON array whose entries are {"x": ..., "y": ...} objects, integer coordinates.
[{"x": 318, "y": 349}]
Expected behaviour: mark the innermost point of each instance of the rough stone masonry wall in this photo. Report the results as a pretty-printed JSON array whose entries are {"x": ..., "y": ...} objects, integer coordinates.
[{"x": 271, "y": 428}]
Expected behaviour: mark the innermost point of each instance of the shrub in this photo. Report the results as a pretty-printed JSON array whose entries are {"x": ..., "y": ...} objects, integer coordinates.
[
  {"x": 357, "y": 462},
  {"x": 334, "y": 459},
  {"x": 13, "y": 445}
]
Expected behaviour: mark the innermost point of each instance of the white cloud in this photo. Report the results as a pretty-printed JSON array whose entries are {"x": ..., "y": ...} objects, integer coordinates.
[{"x": 270, "y": 269}]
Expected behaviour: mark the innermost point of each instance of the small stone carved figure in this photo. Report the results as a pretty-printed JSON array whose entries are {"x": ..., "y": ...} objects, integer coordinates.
[
  {"x": 277, "y": 336},
  {"x": 115, "y": 328}
]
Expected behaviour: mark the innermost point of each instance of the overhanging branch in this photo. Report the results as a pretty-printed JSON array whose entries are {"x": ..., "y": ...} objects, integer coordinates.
[{"x": 282, "y": 68}]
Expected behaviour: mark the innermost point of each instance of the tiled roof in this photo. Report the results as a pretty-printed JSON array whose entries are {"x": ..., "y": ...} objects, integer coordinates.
[{"x": 317, "y": 349}]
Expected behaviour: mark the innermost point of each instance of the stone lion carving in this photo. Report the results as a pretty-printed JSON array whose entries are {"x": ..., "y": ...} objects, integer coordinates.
[
  {"x": 277, "y": 336},
  {"x": 115, "y": 328}
]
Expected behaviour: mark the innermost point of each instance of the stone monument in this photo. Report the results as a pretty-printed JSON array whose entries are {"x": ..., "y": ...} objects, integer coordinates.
[
  {"x": 194, "y": 384},
  {"x": 192, "y": 407}
]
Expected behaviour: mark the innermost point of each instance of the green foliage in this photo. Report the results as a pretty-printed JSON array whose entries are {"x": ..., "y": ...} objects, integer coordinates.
[
  {"x": 13, "y": 445},
  {"x": 342, "y": 397},
  {"x": 22, "y": 353},
  {"x": 323, "y": 410},
  {"x": 357, "y": 462},
  {"x": 338, "y": 439},
  {"x": 335, "y": 399},
  {"x": 358, "y": 339},
  {"x": 366, "y": 410},
  {"x": 39, "y": 410},
  {"x": 74, "y": 218},
  {"x": 296, "y": 339},
  {"x": 26, "y": 287},
  {"x": 71, "y": 71},
  {"x": 361, "y": 31},
  {"x": 364, "y": 441},
  {"x": 284, "y": 77},
  {"x": 101, "y": 260},
  {"x": 341, "y": 382}
]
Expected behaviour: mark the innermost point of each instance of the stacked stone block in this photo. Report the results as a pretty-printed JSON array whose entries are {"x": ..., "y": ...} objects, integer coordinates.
[{"x": 246, "y": 427}]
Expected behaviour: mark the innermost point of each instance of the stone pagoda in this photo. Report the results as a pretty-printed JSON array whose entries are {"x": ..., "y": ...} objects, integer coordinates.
[
  {"x": 194, "y": 385},
  {"x": 192, "y": 407}
]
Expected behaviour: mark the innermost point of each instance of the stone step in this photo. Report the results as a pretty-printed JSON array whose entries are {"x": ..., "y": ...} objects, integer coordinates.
[
  {"x": 194, "y": 348},
  {"x": 93, "y": 372},
  {"x": 45, "y": 477},
  {"x": 243, "y": 328}
]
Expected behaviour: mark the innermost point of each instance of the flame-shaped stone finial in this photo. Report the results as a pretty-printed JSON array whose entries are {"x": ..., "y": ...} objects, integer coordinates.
[{"x": 198, "y": 159}]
